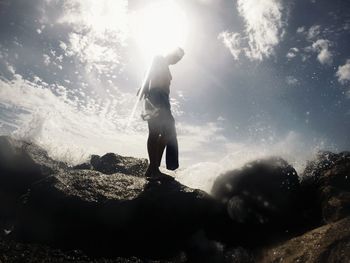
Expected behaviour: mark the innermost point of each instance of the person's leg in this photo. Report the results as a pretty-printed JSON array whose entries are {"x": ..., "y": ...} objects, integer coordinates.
[
  {"x": 152, "y": 148},
  {"x": 162, "y": 142},
  {"x": 172, "y": 151},
  {"x": 162, "y": 139},
  {"x": 156, "y": 145}
]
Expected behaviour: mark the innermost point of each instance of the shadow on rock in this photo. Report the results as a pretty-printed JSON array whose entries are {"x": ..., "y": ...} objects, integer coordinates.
[{"x": 115, "y": 215}]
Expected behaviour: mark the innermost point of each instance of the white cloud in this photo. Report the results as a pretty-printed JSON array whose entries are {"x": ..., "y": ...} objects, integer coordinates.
[
  {"x": 264, "y": 28},
  {"x": 300, "y": 29},
  {"x": 63, "y": 45},
  {"x": 291, "y": 80},
  {"x": 10, "y": 68},
  {"x": 205, "y": 140},
  {"x": 313, "y": 32},
  {"x": 292, "y": 53},
  {"x": 321, "y": 46},
  {"x": 233, "y": 42},
  {"x": 343, "y": 72},
  {"x": 47, "y": 59},
  {"x": 101, "y": 16},
  {"x": 100, "y": 29}
]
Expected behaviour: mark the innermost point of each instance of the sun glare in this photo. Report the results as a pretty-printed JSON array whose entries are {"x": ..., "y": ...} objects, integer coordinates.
[{"x": 159, "y": 28}]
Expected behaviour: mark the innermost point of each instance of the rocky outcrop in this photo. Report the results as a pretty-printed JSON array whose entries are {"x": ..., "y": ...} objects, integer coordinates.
[
  {"x": 21, "y": 164},
  {"x": 106, "y": 211},
  {"x": 329, "y": 243},
  {"x": 15, "y": 252},
  {"x": 262, "y": 197},
  {"x": 114, "y": 215},
  {"x": 326, "y": 184},
  {"x": 325, "y": 190},
  {"x": 112, "y": 163}
]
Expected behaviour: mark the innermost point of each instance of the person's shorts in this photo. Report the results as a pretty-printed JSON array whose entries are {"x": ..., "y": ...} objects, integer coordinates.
[{"x": 164, "y": 122}]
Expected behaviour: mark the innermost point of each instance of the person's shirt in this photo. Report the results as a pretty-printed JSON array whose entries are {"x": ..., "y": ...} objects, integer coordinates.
[{"x": 159, "y": 75}]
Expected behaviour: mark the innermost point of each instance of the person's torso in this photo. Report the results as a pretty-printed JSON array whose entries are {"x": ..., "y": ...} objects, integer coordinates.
[{"x": 160, "y": 75}]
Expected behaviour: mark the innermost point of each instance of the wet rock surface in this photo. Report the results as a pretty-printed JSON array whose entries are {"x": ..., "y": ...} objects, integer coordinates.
[
  {"x": 105, "y": 211},
  {"x": 326, "y": 181},
  {"x": 113, "y": 215},
  {"x": 21, "y": 164},
  {"x": 262, "y": 198},
  {"x": 14, "y": 252},
  {"x": 329, "y": 243},
  {"x": 113, "y": 163}
]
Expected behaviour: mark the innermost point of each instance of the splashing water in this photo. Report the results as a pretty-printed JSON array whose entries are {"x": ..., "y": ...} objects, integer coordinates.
[{"x": 69, "y": 132}]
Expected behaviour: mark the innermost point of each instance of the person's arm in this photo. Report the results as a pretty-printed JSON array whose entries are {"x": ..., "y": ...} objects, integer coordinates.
[{"x": 145, "y": 84}]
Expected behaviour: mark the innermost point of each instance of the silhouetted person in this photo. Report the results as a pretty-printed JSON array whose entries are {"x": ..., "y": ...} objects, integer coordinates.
[{"x": 161, "y": 123}]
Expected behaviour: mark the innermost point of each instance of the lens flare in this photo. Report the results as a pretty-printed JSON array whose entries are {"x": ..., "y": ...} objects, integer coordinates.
[{"x": 159, "y": 28}]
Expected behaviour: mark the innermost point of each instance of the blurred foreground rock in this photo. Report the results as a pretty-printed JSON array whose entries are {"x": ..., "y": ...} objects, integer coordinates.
[
  {"x": 262, "y": 198},
  {"x": 21, "y": 164},
  {"x": 105, "y": 211}
]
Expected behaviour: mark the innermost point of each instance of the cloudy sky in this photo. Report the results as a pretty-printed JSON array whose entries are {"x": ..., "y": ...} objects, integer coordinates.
[{"x": 259, "y": 77}]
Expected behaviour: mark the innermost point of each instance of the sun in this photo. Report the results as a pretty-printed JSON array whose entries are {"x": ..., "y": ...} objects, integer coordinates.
[{"x": 159, "y": 27}]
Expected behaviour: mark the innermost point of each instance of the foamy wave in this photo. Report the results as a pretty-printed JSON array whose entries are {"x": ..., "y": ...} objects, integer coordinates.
[
  {"x": 66, "y": 130},
  {"x": 292, "y": 148}
]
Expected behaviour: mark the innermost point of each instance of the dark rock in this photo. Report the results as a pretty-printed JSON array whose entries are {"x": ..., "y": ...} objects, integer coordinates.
[
  {"x": 21, "y": 164},
  {"x": 262, "y": 196},
  {"x": 14, "y": 252},
  {"x": 202, "y": 250},
  {"x": 83, "y": 166},
  {"x": 95, "y": 160},
  {"x": 329, "y": 243},
  {"x": 238, "y": 255},
  {"x": 112, "y": 163},
  {"x": 115, "y": 215},
  {"x": 105, "y": 211},
  {"x": 326, "y": 185},
  {"x": 324, "y": 161}
]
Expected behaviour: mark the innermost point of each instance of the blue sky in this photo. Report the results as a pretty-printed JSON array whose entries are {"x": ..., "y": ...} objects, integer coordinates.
[{"x": 260, "y": 77}]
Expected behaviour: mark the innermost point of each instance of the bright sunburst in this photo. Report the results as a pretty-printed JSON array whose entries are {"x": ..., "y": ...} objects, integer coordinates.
[{"x": 159, "y": 27}]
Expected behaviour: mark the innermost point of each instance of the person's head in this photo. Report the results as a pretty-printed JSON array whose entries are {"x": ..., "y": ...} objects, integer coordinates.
[{"x": 175, "y": 56}]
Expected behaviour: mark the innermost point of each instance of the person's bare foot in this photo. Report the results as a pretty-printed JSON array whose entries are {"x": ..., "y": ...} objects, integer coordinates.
[
  {"x": 151, "y": 171},
  {"x": 156, "y": 175}
]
